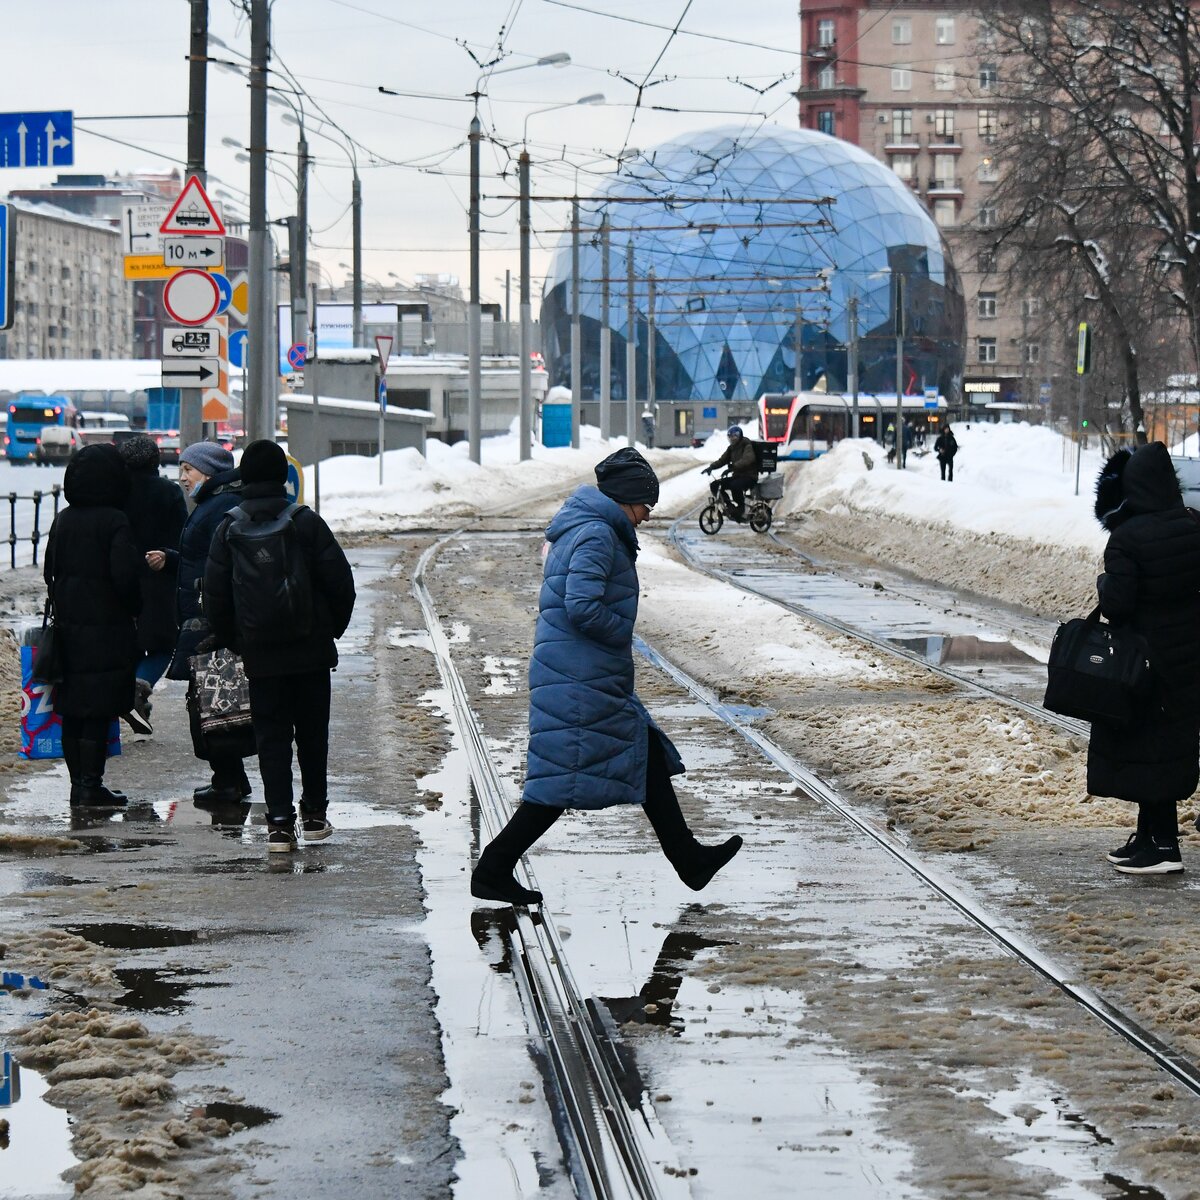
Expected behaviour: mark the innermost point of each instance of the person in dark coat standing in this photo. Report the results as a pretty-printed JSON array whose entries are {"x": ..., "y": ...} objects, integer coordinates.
[
  {"x": 289, "y": 671},
  {"x": 1151, "y": 584},
  {"x": 592, "y": 744},
  {"x": 91, "y": 570},
  {"x": 208, "y": 476},
  {"x": 157, "y": 511},
  {"x": 946, "y": 447}
]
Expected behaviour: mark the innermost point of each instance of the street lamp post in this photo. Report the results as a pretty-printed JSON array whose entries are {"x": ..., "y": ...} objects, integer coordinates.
[
  {"x": 899, "y": 372},
  {"x": 255, "y": 402},
  {"x": 474, "y": 330},
  {"x": 525, "y": 419}
]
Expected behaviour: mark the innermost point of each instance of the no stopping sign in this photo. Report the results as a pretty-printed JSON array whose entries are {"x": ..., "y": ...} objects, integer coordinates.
[{"x": 191, "y": 297}]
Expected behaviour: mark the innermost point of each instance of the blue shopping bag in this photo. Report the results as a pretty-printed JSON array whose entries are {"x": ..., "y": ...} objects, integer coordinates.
[{"x": 41, "y": 728}]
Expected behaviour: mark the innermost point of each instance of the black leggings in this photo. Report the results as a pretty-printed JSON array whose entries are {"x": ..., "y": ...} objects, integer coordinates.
[{"x": 86, "y": 729}]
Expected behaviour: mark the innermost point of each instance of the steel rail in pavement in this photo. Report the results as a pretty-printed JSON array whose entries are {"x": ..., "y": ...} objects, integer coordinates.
[
  {"x": 961, "y": 898},
  {"x": 613, "y": 1152}
]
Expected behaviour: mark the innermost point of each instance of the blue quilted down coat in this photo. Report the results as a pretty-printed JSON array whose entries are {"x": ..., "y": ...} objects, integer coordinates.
[{"x": 588, "y": 731}]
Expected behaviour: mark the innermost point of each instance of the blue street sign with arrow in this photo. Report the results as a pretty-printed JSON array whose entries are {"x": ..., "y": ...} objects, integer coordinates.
[
  {"x": 37, "y": 139},
  {"x": 237, "y": 347},
  {"x": 6, "y": 269}
]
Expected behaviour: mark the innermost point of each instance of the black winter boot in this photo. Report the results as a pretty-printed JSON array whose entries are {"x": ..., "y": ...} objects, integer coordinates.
[
  {"x": 492, "y": 878},
  {"x": 90, "y": 791},
  {"x": 694, "y": 864}
]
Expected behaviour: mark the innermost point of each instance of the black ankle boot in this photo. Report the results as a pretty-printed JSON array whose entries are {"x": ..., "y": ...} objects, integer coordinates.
[
  {"x": 492, "y": 878},
  {"x": 89, "y": 790},
  {"x": 694, "y": 864}
]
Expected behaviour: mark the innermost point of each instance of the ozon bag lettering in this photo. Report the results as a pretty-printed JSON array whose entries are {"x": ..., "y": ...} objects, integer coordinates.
[
  {"x": 1098, "y": 672},
  {"x": 272, "y": 591}
]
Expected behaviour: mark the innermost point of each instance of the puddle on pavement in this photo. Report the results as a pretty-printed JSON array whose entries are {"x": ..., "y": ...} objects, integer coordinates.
[
  {"x": 402, "y": 638},
  {"x": 1122, "y": 1187},
  {"x": 963, "y": 649},
  {"x": 158, "y": 990},
  {"x": 35, "y": 1137},
  {"x": 246, "y": 1115},
  {"x": 134, "y": 937},
  {"x": 502, "y": 675}
]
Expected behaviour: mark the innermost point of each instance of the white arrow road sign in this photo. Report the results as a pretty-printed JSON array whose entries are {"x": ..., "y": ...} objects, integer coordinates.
[
  {"x": 203, "y": 252},
  {"x": 195, "y": 373},
  {"x": 202, "y": 341},
  {"x": 139, "y": 228}
]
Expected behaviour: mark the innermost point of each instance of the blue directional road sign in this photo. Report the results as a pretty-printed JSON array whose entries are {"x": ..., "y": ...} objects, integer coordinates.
[
  {"x": 225, "y": 288},
  {"x": 37, "y": 139},
  {"x": 6, "y": 269},
  {"x": 237, "y": 347},
  {"x": 383, "y": 395}
]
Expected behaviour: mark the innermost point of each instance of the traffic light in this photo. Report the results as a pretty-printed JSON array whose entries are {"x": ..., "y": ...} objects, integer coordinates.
[{"x": 1084, "y": 423}]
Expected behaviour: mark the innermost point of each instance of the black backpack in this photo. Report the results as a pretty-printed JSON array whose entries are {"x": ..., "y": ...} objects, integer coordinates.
[{"x": 272, "y": 589}]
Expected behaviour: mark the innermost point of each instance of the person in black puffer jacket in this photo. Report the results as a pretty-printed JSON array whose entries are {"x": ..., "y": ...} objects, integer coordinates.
[
  {"x": 208, "y": 475},
  {"x": 1151, "y": 584},
  {"x": 289, "y": 673},
  {"x": 157, "y": 511},
  {"x": 91, "y": 570}
]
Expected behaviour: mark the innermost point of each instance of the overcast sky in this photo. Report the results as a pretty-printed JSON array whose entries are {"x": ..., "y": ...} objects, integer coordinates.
[{"x": 119, "y": 57}]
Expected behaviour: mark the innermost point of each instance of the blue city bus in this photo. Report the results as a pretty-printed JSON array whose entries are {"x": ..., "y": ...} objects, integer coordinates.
[{"x": 27, "y": 417}]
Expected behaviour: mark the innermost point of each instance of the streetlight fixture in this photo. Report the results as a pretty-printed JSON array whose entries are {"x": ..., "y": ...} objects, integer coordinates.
[{"x": 474, "y": 315}]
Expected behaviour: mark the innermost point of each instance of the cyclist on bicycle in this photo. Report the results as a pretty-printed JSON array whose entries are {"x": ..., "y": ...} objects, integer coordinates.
[{"x": 742, "y": 461}]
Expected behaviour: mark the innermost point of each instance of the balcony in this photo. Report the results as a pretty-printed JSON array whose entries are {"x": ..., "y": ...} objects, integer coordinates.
[
  {"x": 942, "y": 143},
  {"x": 908, "y": 144},
  {"x": 941, "y": 188},
  {"x": 823, "y": 52}
]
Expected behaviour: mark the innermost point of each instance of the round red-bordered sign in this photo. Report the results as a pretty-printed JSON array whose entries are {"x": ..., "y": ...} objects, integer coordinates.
[{"x": 191, "y": 297}]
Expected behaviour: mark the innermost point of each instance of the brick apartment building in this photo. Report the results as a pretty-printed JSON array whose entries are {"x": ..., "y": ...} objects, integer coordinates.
[{"x": 912, "y": 85}]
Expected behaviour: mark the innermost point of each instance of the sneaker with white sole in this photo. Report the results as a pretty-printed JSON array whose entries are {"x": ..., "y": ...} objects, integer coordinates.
[
  {"x": 1152, "y": 858},
  {"x": 316, "y": 829},
  {"x": 1132, "y": 845},
  {"x": 281, "y": 840}
]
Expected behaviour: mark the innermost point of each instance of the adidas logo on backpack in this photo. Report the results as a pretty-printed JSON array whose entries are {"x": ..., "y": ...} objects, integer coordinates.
[{"x": 272, "y": 590}]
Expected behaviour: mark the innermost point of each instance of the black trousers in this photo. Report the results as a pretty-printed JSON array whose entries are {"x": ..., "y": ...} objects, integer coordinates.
[
  {"x": 221, "y": 752},
  {"x": 947, "y": 465},
  {"x": 283, "y": 708},
  {"x": 86, "y": 729},
  {"x": 737, "y": 486}
]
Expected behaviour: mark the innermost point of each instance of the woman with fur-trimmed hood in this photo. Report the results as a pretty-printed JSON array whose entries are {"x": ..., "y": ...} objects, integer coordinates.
[{"x": 1151, "y": 584}]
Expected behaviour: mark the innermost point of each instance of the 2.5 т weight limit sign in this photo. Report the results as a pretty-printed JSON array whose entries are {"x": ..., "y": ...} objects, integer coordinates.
[{"x": 191, "y": 297}]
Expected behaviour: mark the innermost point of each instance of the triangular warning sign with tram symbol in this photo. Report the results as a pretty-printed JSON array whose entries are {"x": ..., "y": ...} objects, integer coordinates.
[{"x": 193, "y": 212}]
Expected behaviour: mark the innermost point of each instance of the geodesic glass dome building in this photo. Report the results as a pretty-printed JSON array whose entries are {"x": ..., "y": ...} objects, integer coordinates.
[{"x": 741, "y": 229}]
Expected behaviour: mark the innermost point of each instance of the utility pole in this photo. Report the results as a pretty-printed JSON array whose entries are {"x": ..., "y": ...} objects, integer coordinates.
[
  {"x": 651, "y": 366},
  {"x": 474, "y": 330},
  {"x": 605, "y": 337},
  {"x": 298, "y": 251},
  {"x": 191, "y": 419},
  {"x": 260, "y": 340},
  {"x": 630, "y": 349},
  {"x": 899, "y": 372},
  {"x": 798, "y": 377},
  {"x": 526, "y": 415},
  {"x": 356, "y": 256},
  {"x": 576, "y": 339},
  {"x": 852, "y": 358}
]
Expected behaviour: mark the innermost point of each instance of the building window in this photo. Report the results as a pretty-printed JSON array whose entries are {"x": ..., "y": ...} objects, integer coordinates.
[
  {"x": 905, "y": 165},
  {"x": 943, "y": 122},
  {"x": 825, "y": 121},
  {"x": 901, "y": 31},
  {"x": 987, "y": 261},
  {"x": 989, "y": 169},
  {"x": 827, "y": 77},
  {"x": 365, "y": 449},
  {"x": 944, "y": 171},
  {"x": 1033, "y": 352},
  {"x": 945, "y": 213},
  {"x": 987, "y": 350},
  {"x": 987, "y": 216},
  {"x": 1033, "y": 121},
  {"x": 943, "y": 31},
  {"x": 902, "y": 124},
  {"x": 989, "y": 123},
  {"x": 825, "y": 36},
  {"x": 985, "y": 37},
  {"x": 1031, "y": 306},
  {"x": 987, "y": 77},
  {"x": 943, "y": 77},
  {"x": 985, "y": 304},
  {"x": 902, "y": 77}
]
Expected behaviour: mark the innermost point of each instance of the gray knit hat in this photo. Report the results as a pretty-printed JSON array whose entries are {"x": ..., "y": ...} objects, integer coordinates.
[
  {"x": 209, "y": 458},
  {"x": 140, "y": 452}
]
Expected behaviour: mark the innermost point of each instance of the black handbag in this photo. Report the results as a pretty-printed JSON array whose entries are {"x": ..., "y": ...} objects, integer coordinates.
[
  {"x": 48, "y": 666},
  {"x": 1098, "y": 672},
  {"x": 221, "y": 690}
]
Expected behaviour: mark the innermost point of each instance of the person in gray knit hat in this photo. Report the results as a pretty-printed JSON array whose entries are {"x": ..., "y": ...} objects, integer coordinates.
[
  {"x": 207, "y": 458},
  {"x": 157, "y": 511}
]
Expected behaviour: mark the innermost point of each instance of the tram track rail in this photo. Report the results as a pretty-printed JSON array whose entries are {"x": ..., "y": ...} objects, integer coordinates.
[{"x": 613, "y": 1151}]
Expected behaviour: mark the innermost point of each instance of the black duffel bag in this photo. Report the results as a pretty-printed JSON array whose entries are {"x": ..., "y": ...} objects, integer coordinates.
[{"x": 1098, "y": 672}]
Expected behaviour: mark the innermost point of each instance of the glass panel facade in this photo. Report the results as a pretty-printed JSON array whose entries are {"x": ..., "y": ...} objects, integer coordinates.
[{"x": 753, "y": 262}]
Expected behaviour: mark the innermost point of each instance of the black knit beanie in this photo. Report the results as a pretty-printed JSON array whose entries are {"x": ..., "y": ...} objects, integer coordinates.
[
  {"x": 140, "y": 453},
  {"x": 263, "y": 462},
  {"x": 627, "y": 478}
]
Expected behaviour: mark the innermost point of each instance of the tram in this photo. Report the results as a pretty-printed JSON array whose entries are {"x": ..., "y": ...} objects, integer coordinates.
[{"x": 805, "y": 425}]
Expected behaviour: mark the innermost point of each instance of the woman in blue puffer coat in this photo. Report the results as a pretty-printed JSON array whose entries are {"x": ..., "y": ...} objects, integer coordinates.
[{"x": 592, "y": 744}]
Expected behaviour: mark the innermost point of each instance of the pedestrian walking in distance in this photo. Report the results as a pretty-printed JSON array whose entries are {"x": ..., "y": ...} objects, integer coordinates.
[
  {"x": 92, "y": 570},
  {"x": 592, "y": 744},
  {"x": 157, "y": 512},
  {"x": 207, "y": 474},
  {"x": 946, "y": 447},
  {"x": 1151, "y": 584},
  {"x": 279, "y": 591}
]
